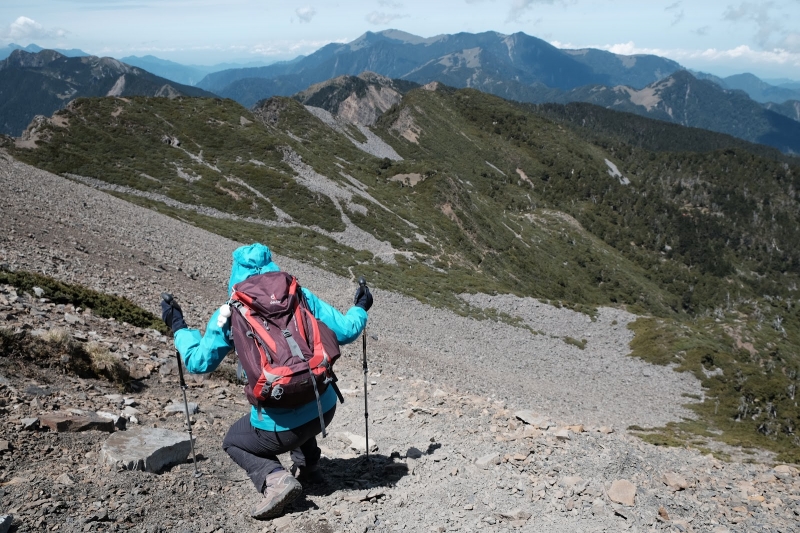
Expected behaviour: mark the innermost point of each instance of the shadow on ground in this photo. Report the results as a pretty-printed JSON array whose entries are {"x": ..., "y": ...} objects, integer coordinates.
[{"x": 360, "y": 476}]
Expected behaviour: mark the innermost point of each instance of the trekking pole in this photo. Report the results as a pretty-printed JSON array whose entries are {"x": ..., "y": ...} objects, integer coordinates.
[
  {"x": 362, "y": 282},
  {"x": 167, "y": 297}
]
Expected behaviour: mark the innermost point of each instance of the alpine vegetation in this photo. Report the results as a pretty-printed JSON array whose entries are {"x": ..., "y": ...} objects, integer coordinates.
[{"x": 489, "y": 196}]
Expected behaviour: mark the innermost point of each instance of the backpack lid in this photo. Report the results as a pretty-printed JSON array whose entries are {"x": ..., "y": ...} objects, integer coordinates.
[{"x": 271, "y": 295}]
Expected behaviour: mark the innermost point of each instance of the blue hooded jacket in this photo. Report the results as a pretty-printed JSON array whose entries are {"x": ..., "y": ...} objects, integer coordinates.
[{"x": 203, "y": 353}]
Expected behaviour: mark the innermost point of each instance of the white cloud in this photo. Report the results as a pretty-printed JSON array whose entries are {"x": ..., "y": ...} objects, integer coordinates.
[
  {"x": 776, "y": 56},
  {"x": 381, "y": 19},
  {"x": 291, "y": 48},
  {"x": 770, "y": 31},
  {"x": 27, "y": 30},
  {"x": 390, "y": 3},
  {"x": 305, "y": 14},
  {"x": 520, "y": 7}
]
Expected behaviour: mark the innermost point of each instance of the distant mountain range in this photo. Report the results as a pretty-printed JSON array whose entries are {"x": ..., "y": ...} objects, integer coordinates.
[
  {"x": 758, "y": 89},
  {"x": 516, "y": 67},
  {"x": 185, "y": 74},
  {"x": 505, "y": 65},
  {"x": 683, "y": 99},
  {"x": 41, "y": 83},
  {"x": 34, "y": 49}
]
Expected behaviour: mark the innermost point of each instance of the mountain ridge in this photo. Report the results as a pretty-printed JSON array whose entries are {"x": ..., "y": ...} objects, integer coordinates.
[
  {"x": 399, "y": 57},
  {"x": 34, "y": 48},
  {"x": 41, "y": 83},
  {"x": 683, "y": 99}
]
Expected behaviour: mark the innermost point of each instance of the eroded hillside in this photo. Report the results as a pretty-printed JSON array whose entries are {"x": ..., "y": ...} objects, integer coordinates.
[{"x": 456, "y": 191}]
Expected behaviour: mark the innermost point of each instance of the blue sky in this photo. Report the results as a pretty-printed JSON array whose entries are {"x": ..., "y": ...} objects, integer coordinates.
[{"x": 719, "y": 36}]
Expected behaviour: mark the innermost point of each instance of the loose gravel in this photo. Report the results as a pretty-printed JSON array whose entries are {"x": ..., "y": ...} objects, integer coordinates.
[{"x": 443, "y": 392}]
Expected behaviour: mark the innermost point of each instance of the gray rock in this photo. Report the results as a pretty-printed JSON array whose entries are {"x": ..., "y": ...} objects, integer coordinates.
[
  {"x": 38, "y": 291},
  {"x": 65, "y": 479},
  {"x": 30, "y": 424},
  {"x": 488, "y": 460},
  {"x": 72, "y": 319},
  {"x": 359, "y": 443},
  {"x": 130, "y": 411},
  {"x": 5, "y": 522},
  {"x": 177, "y": 407},
  {"x": 675, "y": 481},
  {"x": 529, "y": 417},
  {"x": 147, "y": 449},
  {"x": 120, "y": 422},
  {"x": 35, "y": 390}
]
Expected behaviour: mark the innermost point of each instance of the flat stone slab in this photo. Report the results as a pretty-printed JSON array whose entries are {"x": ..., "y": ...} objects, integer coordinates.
[
  {"x": 147, "y": 449},
  {"x": 675, "y": 481},
  {"x": 623, "y": 492},
  {"x": 30, "y": 424},
  {"x": 531, "y": 418},
  {"x": 488, "y": 460},
  {"x": 65, "y": 422},
  {"x": 359, "y": 443},
  {"x": 178, "y": 407}
]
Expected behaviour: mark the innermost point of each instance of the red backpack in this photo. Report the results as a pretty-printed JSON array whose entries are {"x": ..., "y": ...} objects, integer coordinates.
[{"x": 286, "y": 352}]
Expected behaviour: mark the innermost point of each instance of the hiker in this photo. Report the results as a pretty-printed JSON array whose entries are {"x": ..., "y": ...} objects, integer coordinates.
[{"x": 255, "y": 440}]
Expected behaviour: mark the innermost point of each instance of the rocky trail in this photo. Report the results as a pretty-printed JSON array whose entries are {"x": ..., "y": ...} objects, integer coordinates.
[{"x": 531, "y": 439}]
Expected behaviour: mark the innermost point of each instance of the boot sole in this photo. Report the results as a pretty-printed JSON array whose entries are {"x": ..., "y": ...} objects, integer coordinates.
[{"x": 275, "y": 508}]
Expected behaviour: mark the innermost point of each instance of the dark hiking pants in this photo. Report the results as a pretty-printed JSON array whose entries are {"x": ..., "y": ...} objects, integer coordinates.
[{"x": 257, "y": 450}]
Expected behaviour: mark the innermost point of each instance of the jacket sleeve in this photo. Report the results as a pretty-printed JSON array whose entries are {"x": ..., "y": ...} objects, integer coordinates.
[
  {"x": 204, "y": 353},
  {"x": 347, "y": 327}
]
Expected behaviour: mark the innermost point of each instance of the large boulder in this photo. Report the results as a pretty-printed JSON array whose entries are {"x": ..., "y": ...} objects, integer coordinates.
[{"x": 147, "y": 449}]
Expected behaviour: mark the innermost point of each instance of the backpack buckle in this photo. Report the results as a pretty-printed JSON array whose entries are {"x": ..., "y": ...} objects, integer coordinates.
[{"x": 277, "y": 392}]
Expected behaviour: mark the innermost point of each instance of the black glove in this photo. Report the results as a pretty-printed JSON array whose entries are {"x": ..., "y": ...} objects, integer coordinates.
[
  {"x": 172, "y": 315},
  {"x": 363, "y": 298}
]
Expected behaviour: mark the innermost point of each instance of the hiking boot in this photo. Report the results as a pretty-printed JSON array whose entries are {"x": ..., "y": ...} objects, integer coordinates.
[
  {"x": 282, "y": 488},
  {"x": 308, "y": 474}
]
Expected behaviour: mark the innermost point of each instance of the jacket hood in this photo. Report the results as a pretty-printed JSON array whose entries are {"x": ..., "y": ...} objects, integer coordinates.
[{"x": 249, "y": 261}]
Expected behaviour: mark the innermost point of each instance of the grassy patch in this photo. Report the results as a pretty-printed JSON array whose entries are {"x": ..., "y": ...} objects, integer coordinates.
[
  {"x": 750, "y": 395},
  {"x": 581, "y": 344},
  {"x": 104, "y": 305},
  {"x": 56, "y": 350}
]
